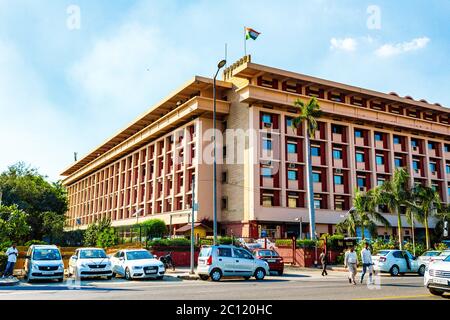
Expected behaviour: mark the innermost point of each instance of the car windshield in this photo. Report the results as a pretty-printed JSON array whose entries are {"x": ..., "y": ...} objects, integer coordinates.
[
  {"x": 445, "y": 253},
  {"x": 266, "y": 253},
  {"x": 92, "y": 254},
  {"x": 205, "y": 252},
  {"x": 431, "y": 253},
  {"x": 46, "y": 254},
  {"x": 138, "y": 255},
  {"x": 447, "y": 259},
  {"x": 382, "y": 252}
]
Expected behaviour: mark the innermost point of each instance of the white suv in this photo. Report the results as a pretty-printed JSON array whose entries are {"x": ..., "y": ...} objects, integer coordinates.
[
  {"x": 437, "y": 277},
  {"x": 229, "y": 261}
]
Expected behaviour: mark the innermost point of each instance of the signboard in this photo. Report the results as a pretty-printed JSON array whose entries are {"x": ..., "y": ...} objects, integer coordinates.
[{"x": 264, "y": 233}]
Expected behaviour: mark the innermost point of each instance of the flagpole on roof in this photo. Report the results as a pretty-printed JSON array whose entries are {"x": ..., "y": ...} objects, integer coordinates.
[{"x": 245, "y": 41}]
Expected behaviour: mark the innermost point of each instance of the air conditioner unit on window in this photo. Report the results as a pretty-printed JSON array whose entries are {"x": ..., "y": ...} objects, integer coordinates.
[
  {"x": 291, "y": 166},
  {"x": 363, "y": 189},
  {"x": 267, "y": 125},
  {"x": 415, "y": 148},
  {"x": 338, "y": 170},
  {"x": 416, "y": 170}
]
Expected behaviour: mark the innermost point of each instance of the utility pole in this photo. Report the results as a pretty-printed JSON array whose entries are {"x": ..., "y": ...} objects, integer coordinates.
[{"x": 192, "y": 225}]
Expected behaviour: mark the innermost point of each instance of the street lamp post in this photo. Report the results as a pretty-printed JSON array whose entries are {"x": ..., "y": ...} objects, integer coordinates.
[
  {"x": 301, "y": 226},
  {"x": 219, "y": 66}
]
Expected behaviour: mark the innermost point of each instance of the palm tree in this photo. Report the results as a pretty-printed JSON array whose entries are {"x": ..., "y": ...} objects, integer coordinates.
[
  {"x": 349, "y": 224},
  {"x": 365, "y": 205},
  {"x": 426, "y": 200},
  {"x": 309, "y": 113},
  {"x": 394, "y": 194}
]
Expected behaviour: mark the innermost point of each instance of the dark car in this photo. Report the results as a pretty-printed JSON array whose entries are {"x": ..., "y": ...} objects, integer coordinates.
[{"x": 272, "y": 258}]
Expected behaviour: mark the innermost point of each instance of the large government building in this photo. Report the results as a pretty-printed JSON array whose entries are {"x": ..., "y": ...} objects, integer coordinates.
[{"x": 147, "y": 170}]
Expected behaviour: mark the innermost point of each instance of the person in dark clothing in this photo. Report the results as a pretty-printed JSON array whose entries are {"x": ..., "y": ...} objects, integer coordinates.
[{"x": 324, "y": 262}]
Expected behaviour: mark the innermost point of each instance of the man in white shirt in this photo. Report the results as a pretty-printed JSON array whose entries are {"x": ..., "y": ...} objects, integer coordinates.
[
  {"x": 12, "y": 254},
  {"x": 351, "y": 262},
  {"x": 366, "y": 258}
]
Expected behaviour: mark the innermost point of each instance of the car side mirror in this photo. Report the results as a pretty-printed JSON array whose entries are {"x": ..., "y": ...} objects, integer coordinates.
[
  {"x": 121, "y": 258},
  {"x": 155, "y": 256},
  {"x": 27, "y": 257},
  {"x": 74, "y": 257}
]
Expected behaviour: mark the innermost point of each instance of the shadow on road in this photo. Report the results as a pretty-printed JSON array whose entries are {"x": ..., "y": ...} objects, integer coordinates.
[{"x": 292, "y": 275}]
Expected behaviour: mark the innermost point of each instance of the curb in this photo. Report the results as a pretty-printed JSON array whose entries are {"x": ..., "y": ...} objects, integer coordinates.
[
  {"x": 188, "y": 276},
  {"x": 9, "y": 282}
]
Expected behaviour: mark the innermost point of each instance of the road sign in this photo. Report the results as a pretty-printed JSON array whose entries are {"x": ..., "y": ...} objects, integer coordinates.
[
  {"x": 264, "y": 233},
  {"x": 196, "y": 206}
]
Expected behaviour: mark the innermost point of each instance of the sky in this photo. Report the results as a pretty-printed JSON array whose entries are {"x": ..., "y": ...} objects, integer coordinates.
[{"x": 74, "y": 73}]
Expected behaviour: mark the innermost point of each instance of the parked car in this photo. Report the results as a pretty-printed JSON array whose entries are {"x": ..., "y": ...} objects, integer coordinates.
[
  {"x": 427, "y": 256},
  {"x": 444, "y": 254},
  {"x": 437, "y": 277},
  {"x": 44, "y": 262},
  {"x": 229, "y": 261},
  {"x": 136, "y": 263},
  {"x": 266, "y": 243},
  {"x": 396, "y": 262},
  {"x": 249, "y": 244},
  {"x": 90, "y": 263},
  {"x": 273, "y": 259}
]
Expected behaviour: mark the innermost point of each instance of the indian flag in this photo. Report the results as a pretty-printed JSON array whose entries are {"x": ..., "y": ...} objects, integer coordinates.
[{"x": 251, "y": 34}]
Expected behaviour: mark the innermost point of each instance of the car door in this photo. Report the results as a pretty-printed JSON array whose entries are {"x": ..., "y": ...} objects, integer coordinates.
[
  {"x": 118, "y": 263},
  {"x": 226, "y": 261},
  {"x": 244, "y": 262},
  {"x": 399, "y": 260},
  {"x": 413, "y": 262}
]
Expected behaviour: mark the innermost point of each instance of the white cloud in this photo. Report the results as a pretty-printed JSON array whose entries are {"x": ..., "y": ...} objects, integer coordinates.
[
  {"x": 388, "y": 50},
  {"x": 346, "y": 44}
]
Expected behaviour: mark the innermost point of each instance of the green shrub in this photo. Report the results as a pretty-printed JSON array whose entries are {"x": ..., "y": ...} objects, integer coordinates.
[
  {"x": 306, "y": 243},
  {"x": 176, "y": 242},
  {"x": 440, "y": 246},
  {"x": 154, "y": 228},
  {"x": 107, "y": 238},
  {"x": 31, "y": 242},
  {"x": 5, "y": 245},
  {"x": 3, "y": 260},
  {"x": 283, "y": 242},
  {"x": 340, "y": 259}
]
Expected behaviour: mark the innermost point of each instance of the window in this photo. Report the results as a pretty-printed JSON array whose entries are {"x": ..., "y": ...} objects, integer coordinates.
[
  {"x": 266, "y": 172},
  {"x": 361, "y": 181},
  {"x": 448, "y": 190},
  {"x": 291, "y": 148},
  {"x": 430, "y": 146},
  {"x": 292, "y": 175},
  {"x": 358, "y": 133},
  {"x": 378, "y": 136},
  {"x": 336, "y": 129},
  {"x": 416, "y": 164},
  {"x": 380, "y": 182},
  {"x": 432, "y": 167},
  {"x": 337, "y": 154},
  {"x": 379, "y": 159},
  {"x": 397, "y": 140},
  {"x": 360, "y": 157},
  {"x": 292, "y": 201},
  {"x": 267, "y": 200},
  {"x": 317, "y": 203},
  {"x": 315, "y": 151},
  {"x": 242, "y": 254},
  {"x": 224, "y": 203},
  {"x": 224, "y": 177},
  {"x": 447, "y": 168},
  {"x": 316, "y": 177},
  {"x": 266, "y": 118},
  {"x": 339, "y": 205},
  {"x": 267, "y": 144},
  {"x": 289, "y": 122},
  {"x": 338, "y": 179},
  {"x": 398, "y": 162},
  {"x": 414, "y": 143},
  {"x": 224, "y": 252},
  {"x": 447, "y": 147}
]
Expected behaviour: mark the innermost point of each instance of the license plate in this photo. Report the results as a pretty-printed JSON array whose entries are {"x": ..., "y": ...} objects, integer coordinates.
[
  {"x": 441, "y": 281},
  {"x": 47, "y": 273},
  {"x": 271, "y": 260},
  {"x": 150, "y": 271}
]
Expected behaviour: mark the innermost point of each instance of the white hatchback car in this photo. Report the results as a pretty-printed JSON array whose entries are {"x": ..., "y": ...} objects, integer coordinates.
[
  {"x": 90, "y": 263},
  {"x": 444, "y": 254},
  {"x": 229, "y": 261},
  {"x": 396, "y": 262},
  {"x": 44, "y": 262},
  {"x": 426, "y": 257},
  {"x": 437, "y": 277},
  {"x": 136, "y": 263}
]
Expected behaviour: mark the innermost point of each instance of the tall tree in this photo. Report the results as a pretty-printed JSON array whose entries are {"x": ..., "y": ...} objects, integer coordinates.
[
  {"x": 365, "y": 205},
  {"x": 426, "y": 200},
  {"x": 309, "y": 113},
  {"x": 13, "y": 224},
  {"x": 32, "y": 193},
  {"x": 394, "y": 194}
]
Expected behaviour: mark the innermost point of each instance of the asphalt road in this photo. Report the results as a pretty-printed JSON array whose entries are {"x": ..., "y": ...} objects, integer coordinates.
[{"x": 295, "y": 284}]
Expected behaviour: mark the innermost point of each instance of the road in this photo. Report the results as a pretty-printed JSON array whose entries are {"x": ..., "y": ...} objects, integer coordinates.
[{"x": 295, "y": 284}]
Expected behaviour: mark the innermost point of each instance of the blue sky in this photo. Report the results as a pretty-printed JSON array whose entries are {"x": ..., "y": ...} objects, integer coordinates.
[{"x": 64, "y": 90}]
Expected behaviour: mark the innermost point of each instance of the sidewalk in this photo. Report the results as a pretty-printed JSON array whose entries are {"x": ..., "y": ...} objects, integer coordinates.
[
  {"x": 340, "y": 268},
  {"x": 8, "y": 282},
  {"x": 182, "y": 273}
]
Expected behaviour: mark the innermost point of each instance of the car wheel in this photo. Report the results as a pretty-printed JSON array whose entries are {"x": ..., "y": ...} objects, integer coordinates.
[
  {"x": 436, "y": 292},
  {"x": 394, "y": 271},
  {"x": 246, "y": 277},
  {"x": 421, "y": 271},
  {"x": 216, "y": 275},
  {"x": 60, "y": 279},
  {"x": 159, "y": 277},
  {"x": 113, "y": 275},
  {"x": 280, "y": 273},
  {"x": 127, "y": 274},
  {"x": 204, "y": 277},
  {"x": 260, "y": 274},
  {"x": 108, "y": 277}
]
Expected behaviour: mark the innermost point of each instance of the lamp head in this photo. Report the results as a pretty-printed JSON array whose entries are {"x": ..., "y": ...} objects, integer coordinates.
[{"x": 221, "y": 64}]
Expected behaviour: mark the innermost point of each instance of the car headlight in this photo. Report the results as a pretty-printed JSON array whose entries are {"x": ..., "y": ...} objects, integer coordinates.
[
  {"x": 35, "y": 267},
  {"x": 83, "y": 265},
  {"x": 137, "y": 267},
  {"x": 161, "y": 266},
  {"x": 61, "y": 267}
]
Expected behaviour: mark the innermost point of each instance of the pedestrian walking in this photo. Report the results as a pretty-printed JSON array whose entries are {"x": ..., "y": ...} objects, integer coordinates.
[
  {"x": 12, "y": 254},
  {"x": 351, "y": 263},
  {"x": 366, "y": 259},
  {"x": 324, "y": 261}
]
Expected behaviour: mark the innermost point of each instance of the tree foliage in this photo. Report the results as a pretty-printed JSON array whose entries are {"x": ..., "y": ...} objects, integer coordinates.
[
  {"x": 32, "y": 193},
  {"x": 154, "y": 228},
  {"x": 100, "y": 234},
  {"x": 13, "y": 224}
]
